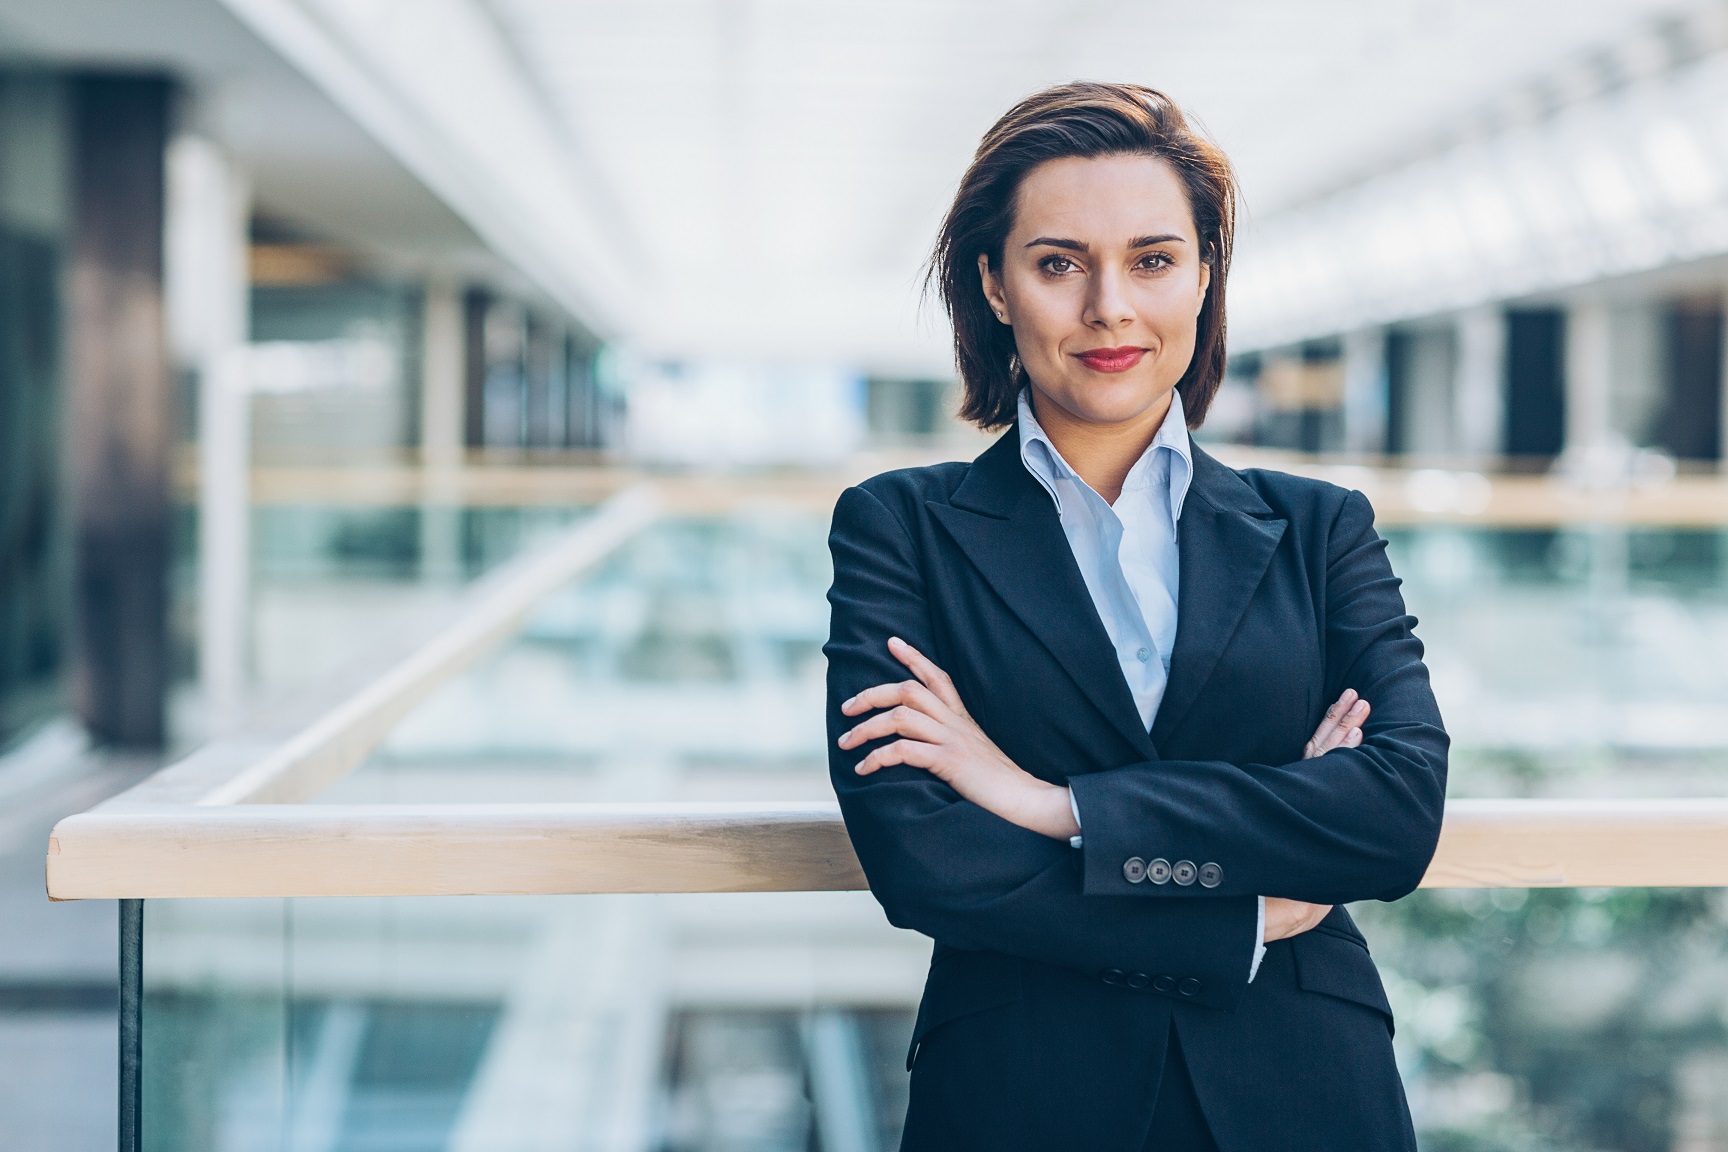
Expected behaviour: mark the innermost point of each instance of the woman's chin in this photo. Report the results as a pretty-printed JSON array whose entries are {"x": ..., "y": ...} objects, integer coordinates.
[{"x": 1106, "y": 404}]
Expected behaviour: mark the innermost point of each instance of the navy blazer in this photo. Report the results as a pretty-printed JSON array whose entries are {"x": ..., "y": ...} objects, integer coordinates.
[{"x": 1058, "y": 973}]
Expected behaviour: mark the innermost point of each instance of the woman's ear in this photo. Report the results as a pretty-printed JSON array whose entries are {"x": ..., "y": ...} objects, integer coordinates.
[
  {"x": 1205, "y": 283},
  {"x": 993, "y": 288}
]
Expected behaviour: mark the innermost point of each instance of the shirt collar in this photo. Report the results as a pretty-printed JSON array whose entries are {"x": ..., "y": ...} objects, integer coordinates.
[{"x": 1047, "y": 466}]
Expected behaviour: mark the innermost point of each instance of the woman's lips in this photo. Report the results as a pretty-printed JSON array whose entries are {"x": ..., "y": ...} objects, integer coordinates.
[{"x": 1112, "y": 359}]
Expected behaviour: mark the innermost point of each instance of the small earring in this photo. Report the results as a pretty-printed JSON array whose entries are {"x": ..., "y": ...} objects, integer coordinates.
[{"x": 998, "y": 315}]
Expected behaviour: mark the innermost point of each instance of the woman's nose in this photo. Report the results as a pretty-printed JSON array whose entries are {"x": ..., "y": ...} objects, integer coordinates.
[{"x": 1107, "y": 306}]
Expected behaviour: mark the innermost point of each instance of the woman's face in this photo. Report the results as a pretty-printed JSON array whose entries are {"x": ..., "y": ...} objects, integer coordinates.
[{"x": 1102, "y": 280}]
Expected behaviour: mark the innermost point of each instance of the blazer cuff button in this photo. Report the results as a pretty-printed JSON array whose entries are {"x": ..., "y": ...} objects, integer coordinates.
[
  {"x": 1184, "y": 872},
  {"x": 1211, "y": 875},
  {"x": 1189, "y": 987},
  {"x": 1134, "y": 870},
  {"x": 1158, "y": 871}
]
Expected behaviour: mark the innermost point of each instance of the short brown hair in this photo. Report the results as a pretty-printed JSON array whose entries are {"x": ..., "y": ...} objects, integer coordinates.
[{"x": 1085, "y": 120}]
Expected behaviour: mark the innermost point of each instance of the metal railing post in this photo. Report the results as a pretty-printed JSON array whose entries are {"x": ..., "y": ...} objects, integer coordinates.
[{"x": 131, "y": 1025}]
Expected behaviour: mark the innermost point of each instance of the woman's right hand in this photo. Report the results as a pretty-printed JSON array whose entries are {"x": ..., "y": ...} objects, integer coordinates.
[
  {"x": 1286, "y": 918},
  {"x": 1341, "y": 728}
]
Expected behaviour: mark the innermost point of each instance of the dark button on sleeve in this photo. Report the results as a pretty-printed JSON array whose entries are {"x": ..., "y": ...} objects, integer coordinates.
[
  {"x": 1189, "y": 987},
  {"x": 1211, "y": 875},
  {"x": 1111, "y": 976},
  {"x": 1134, "y": 870},
  {"x": 1158, "y": 871},
  {"x": 1164, "y": 984},
  {"x": 1137, "y": 980},
  {"x": 1184, "y": 872}
]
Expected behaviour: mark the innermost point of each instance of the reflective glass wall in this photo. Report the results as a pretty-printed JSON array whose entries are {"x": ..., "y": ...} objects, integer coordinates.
[{"x": 1569, "y": 661}]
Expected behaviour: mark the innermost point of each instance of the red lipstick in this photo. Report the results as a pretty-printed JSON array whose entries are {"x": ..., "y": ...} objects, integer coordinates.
[{"x": 1112, "y": 359}]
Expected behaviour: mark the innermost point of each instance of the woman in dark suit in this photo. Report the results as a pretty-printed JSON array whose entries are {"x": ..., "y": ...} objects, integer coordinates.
[{"x": 1079, "y": 692}]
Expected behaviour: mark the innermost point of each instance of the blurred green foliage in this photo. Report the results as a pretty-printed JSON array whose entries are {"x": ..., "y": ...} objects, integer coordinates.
[{"x": 1548, "y": 1019}]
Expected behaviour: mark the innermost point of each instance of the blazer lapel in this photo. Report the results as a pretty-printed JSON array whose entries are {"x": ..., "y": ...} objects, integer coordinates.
[
  {"x": 1008, "y": 528},
  {"x": 1225, "y": 540}
]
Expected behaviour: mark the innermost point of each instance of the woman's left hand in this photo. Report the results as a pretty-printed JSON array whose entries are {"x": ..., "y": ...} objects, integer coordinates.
[{"x": 938, "y": 735}]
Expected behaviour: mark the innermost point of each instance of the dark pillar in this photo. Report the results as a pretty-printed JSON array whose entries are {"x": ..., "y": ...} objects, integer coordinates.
[
  {"x": 1398, "y": 372},
  {"x": 1535, "y": 383},
  {"x": 34, "y": 556},
  {"x": 120, "y": 407},
  {"x": 537, "y": 398},
  {"x": 1690, "y": 425},
  {"x": 474, "y": 306}
]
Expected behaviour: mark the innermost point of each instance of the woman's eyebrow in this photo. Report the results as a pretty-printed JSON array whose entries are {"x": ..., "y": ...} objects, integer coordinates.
[{"x": 1079, "y": 246}]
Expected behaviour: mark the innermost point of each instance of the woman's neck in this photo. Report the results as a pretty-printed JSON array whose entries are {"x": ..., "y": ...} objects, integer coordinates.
[{"x": 1102, "y": 454}]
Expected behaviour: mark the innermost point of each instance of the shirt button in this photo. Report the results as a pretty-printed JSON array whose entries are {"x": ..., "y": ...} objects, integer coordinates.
[{"x": 1143, "y": 655}]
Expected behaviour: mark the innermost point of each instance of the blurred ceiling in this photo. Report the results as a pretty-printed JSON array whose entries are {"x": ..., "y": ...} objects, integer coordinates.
[
  {"x": 762, "y": 178},
  {"x": 770, "y": 172},
  {"x": 311, "y": 166}
]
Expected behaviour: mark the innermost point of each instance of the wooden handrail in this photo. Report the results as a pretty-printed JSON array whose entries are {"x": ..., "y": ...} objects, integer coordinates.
[
  {"x": 516, "y": 849},
  {"x": 1402, "y": 495}
]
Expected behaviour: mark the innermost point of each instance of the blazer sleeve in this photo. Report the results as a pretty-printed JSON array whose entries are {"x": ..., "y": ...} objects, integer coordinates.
[
  {"x": 1354, "y": 824},
  {"x": 945, "y": 867}
]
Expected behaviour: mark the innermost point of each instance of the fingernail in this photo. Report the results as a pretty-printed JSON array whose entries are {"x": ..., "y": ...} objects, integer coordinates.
[
  {"x": 848, "y": 704},
  {"x": 893, "y": 640}
]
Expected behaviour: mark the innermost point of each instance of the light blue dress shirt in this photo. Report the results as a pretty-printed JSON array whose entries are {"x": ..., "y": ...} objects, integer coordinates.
[{"x": 1128, "y": 557}]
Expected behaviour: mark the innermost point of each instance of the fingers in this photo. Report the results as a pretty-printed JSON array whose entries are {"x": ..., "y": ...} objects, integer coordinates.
[
  {"x": 908, "y": 692},
  {"x": 933, "y": 693},
  {"x": 912, "y": 752},
  {"x": 925, "y": 669},
  {"x": 1353, "y": 720},
  {"x": 1329, "y": 723},
  {"x": 1287, "y": 918},
  {"x": 897, "y": 721},
  {"x": 1346, "y": 716}
]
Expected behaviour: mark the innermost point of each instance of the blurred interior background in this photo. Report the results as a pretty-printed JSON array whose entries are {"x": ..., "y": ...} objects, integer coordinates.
[{"x": 315, "y": 312}]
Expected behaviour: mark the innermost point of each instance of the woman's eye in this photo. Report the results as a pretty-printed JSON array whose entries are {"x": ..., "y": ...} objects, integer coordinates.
[
  {"x": 1058, "y": 265},
  {"x": 1153, "y": 261}
]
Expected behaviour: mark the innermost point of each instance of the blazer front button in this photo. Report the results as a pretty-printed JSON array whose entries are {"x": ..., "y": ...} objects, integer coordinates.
[
  {"x": 1211, "y": 875},
  {"x": 1189, "y": 987},
  {"x": 1163, "y": 983},
  {"x": 1184, "y": 872},
  {"x": 1134, "y": 870},
  {"x": 1158, "y": 871}
]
